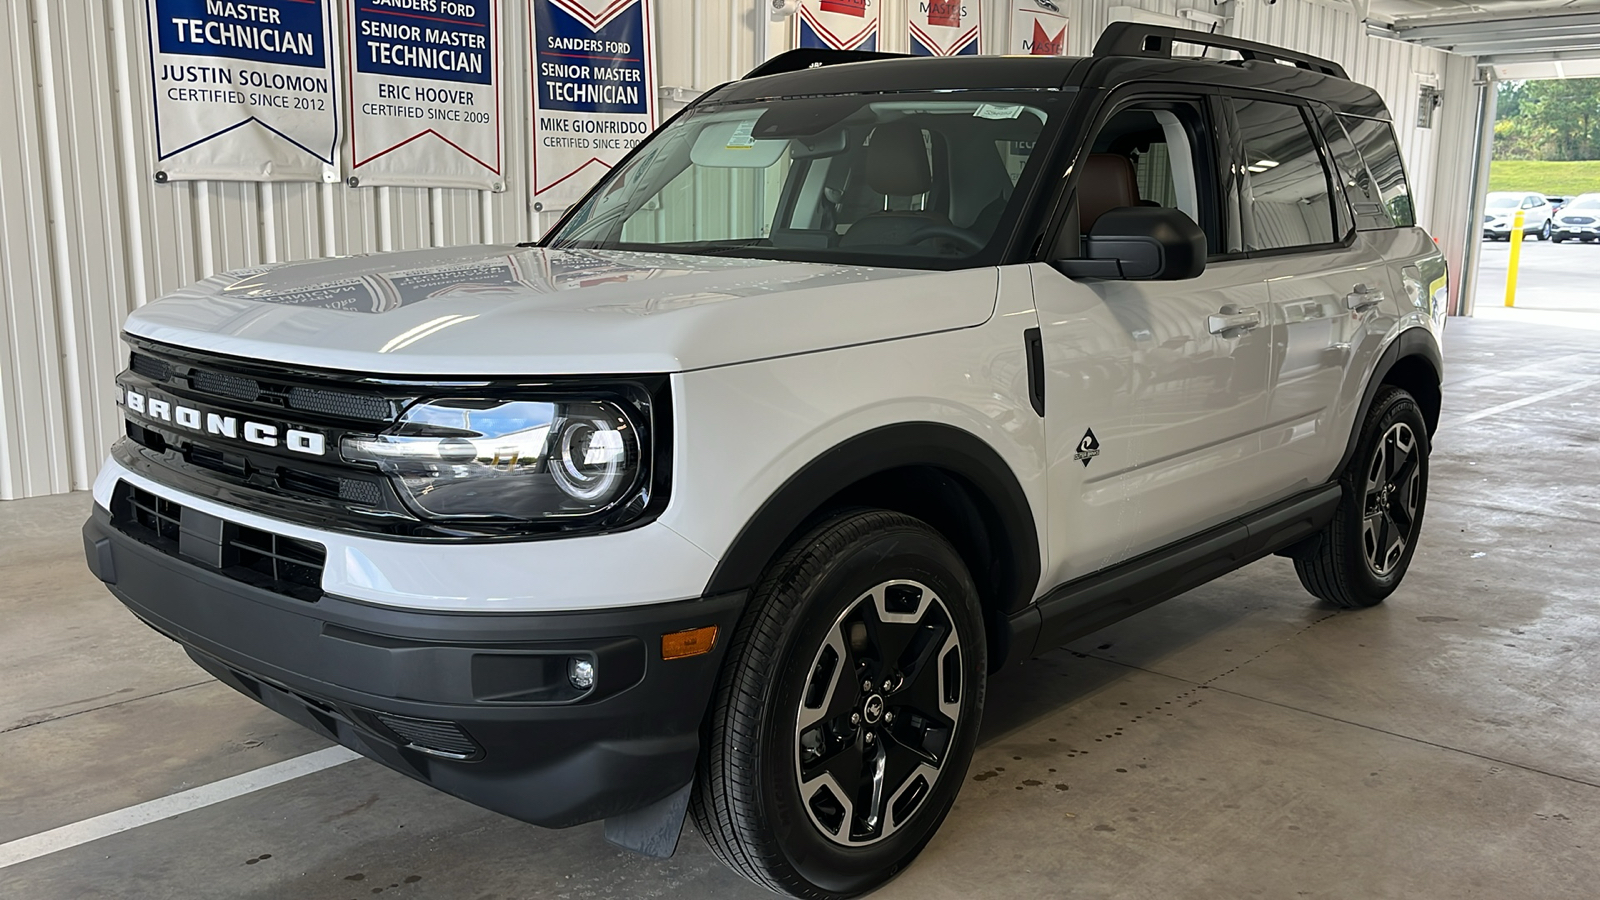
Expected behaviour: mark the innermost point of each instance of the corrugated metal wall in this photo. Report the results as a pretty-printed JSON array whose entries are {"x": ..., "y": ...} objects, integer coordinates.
[{"x": 86, "y": 235}]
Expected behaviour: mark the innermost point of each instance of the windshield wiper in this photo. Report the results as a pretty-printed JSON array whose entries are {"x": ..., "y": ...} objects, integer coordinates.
[{"x": 712, "y": 248}]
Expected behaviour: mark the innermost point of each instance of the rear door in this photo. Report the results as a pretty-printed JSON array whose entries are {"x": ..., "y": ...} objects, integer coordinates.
[{"x": 1327, "y": 281}]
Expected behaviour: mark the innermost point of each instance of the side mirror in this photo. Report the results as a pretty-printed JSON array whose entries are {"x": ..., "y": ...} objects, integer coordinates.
[{"x": 1140, "y": 243}]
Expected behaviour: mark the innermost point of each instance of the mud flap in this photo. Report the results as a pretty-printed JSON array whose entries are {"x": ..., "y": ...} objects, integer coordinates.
[{"x": 654, "y": 830}]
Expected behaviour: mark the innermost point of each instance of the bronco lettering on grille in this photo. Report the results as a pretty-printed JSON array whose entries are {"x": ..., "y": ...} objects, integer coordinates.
[{"x": 296, "y": 440}]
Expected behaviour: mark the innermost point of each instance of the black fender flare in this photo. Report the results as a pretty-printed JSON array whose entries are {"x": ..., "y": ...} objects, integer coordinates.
[
  {"x": 1416, "y": 341},
  {"x": 911, "y": 444}
]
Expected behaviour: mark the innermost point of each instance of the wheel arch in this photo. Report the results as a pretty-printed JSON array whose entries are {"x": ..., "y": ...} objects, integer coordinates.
[
  {"x": 1414, "y": 363},
  {"x": 940, "y": 474}
]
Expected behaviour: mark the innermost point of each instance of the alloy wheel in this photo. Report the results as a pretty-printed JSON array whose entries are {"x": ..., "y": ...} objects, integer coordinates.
[
  {"x": 881, "y": 705},
  {"x": 1393, "y": 492}
]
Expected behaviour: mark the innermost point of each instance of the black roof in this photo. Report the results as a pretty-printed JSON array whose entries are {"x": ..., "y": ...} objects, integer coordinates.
[{"x": 1126, "y": 53}]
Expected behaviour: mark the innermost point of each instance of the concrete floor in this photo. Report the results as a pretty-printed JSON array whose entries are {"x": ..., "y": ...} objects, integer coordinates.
[{"x": 1241, "y": 741}]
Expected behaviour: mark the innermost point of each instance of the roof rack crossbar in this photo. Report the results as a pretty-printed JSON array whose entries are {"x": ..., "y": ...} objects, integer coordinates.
[
  {"x": 816, "y": 57},
  {"x": 1137, "y": 39}
]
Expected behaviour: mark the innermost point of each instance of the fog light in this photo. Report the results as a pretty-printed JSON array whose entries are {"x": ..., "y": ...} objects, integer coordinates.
[{"x": 581, "y": 673}]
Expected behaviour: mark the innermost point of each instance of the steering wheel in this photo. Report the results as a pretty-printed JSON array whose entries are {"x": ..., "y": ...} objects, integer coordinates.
[{"x": 960, "y": 236}]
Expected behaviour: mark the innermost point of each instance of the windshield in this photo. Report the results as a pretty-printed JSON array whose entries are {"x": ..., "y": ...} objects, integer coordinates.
[
  {"x": 1587, "y": 202},
  {"x": 921, "y": 180},
  {"x": 1505, "y": 202}
]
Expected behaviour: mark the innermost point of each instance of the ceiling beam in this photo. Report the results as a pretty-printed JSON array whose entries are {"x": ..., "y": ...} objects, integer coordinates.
[{"x": 1444, "y": 34}]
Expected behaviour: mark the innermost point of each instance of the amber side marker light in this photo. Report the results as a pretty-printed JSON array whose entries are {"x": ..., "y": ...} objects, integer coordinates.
[{"x": 694, "y": 642}]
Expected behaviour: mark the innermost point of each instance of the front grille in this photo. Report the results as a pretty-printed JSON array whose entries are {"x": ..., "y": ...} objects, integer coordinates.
[
  {"x": 343, "y": 404},
  {"x": 159, "y": 516},
  {"x": 282, "y": 560},
  {"x": 274, "y": 562},
  {"x": 441, "y": 738},
  {"x": 150, "y": 367},
  {"x": 221, "y": 384},
  {"x": 1578, "y": 220}
]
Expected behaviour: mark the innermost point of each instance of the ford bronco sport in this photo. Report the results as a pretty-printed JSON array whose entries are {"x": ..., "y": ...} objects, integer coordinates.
[{"x": 860, "y": 379}]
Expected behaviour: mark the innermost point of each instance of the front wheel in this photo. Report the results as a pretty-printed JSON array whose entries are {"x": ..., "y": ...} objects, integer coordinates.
[
  {"x": 1360, "y": 557},
  {"x": 1544, "y": 233},
  {"x": 847, "y": 713}
]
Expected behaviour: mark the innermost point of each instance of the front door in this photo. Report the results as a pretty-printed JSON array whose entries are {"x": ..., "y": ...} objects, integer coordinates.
[{"x": 1157, "y": 391}]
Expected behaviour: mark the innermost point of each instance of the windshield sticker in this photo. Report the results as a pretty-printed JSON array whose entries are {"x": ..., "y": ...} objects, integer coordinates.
[
  {"x": 998, "y": 111},
  {"x": 741, "y": 139}
]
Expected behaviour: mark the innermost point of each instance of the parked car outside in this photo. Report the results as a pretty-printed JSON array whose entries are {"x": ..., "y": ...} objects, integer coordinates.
[
  {"x": 1556, "y": 203},
  {"x": 1578, "y": 220},
  {"x": 1502, "y": 209}
]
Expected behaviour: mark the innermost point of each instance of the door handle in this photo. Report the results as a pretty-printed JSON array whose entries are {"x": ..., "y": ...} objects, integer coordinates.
[
  {"x": 1233, "y": 321},
  {"x": 1362, "y": 297}
]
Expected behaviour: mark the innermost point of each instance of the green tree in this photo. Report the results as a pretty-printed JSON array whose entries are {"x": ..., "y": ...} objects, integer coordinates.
[{"x": 1556, "y": 120}]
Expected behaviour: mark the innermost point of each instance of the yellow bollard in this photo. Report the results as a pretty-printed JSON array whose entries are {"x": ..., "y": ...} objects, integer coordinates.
[{"x": 1516, "y": 258}]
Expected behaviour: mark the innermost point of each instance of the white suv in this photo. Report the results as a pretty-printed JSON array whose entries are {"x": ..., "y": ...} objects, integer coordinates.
[
  {"x": 860, "y": 379},
  {"x": 1579, "y": 220},
  {"x": 1502, "y": 207}
]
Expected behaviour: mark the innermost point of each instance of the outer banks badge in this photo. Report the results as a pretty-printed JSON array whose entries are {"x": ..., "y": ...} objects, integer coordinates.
[{"x": 1088, "y": 448}]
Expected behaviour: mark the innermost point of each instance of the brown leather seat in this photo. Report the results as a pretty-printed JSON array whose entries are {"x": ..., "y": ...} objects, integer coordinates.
[
  {"x": 1108, "y": 182},
  {"x": 896, "y": 165}
]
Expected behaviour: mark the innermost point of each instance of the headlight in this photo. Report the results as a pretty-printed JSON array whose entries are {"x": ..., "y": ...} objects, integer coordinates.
[{"x": 523, "y": 460}]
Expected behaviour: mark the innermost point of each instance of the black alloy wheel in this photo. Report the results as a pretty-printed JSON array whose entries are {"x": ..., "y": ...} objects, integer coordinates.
[
  {"x": 1393, "y": 493},
  {"x": 881, "y": 703},
  {"x": 847, "y": 712},
  {"x": 1361, "y": 556}
]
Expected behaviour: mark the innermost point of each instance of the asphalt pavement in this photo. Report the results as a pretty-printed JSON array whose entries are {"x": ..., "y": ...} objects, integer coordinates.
[{"x": 1551, "y": 277}]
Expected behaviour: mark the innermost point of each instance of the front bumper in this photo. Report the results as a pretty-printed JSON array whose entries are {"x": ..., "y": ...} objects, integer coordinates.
[{"x": 477, "y": 705}]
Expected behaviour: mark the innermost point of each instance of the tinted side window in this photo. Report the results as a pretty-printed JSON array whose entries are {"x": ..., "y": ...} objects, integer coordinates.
[
  {"x": 1288, "y": 189},
  {"x": 1163, "y": 150},
  {"x": 1359, "y": 187},
  {"x": 1381, "y": 150}
]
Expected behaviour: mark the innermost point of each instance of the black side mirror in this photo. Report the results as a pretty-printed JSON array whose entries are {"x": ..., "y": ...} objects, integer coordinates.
[{"x": 1140, "y": 243}]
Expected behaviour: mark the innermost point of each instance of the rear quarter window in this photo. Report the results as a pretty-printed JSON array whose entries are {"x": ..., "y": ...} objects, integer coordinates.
[{"x": 1380, "y": 150}]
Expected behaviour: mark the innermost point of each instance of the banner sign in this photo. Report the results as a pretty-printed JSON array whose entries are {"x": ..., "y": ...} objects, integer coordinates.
[
  {"x": 1038, "y": 28},
  {"x": 945, "y": 27},
  {"x": 243, "y": 91},
  {"x": 425, "y": 93},
  {"x": 594, "y": 90},
  {"x": 838, "y": 24}
]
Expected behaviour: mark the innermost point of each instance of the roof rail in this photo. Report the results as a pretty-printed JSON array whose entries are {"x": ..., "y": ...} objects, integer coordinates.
[
  {"x": 816, "y": 57},
  {"x": 1136, "y": 39}
]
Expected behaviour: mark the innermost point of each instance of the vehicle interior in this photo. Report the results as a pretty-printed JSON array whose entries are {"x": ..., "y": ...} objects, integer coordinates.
[{"x": 835, "y": 175}]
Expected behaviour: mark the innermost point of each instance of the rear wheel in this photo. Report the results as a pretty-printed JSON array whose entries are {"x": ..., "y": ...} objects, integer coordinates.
[
  {"x": 847, "y": 714},
  {"x": 1361, "y": 556}
]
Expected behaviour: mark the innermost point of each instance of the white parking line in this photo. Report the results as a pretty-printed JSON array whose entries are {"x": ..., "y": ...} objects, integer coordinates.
[
  {"x": 1525, "y": 401},
  {"x": 45, "y": 842}
]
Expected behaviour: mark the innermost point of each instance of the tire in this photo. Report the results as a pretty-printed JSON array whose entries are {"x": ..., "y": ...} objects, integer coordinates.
[
  {"x": 1544, "y": 232},
  {"x": 1558, "y": 239},
  {"x": 781, "y": 748},
  {"x": 1385, "y": 486}
]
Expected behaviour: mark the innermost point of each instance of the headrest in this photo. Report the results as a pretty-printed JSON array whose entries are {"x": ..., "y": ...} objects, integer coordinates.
[
  {"x": 1108, "y": 182},
  {"x": 897, "y": 161}
]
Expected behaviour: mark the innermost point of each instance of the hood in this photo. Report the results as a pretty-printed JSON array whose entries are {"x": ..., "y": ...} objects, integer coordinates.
[{"x": 509, "y": 311}]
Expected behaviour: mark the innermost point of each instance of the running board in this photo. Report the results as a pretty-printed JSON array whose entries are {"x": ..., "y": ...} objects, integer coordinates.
[{"x": 1091, "y": 603}]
